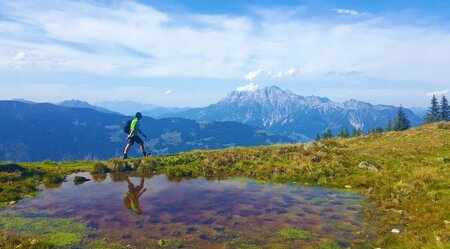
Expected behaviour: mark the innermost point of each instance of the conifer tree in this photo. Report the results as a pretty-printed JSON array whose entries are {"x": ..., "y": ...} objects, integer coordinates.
[
  {"x": 433, "y": 111},
  {"x": 318, "y": 137},
  {"x": 346, "y": 133},
  {"x": 357, "y": 132},
  {"x": 444, "y": 109},
  {"x": 401, "y": 122},
  {"x": 341, "y": 132},
  {"x": 327, "y": 134},
  {"x": 389, "y": 125},
  {"x": 376, "y": 130}
]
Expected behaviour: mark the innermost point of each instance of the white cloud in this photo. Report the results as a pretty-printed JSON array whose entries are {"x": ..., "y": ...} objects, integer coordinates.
[
  {"x": 253, "y": 75},
  {"x": 347, "y": 12},
  {"x": 168, "y": 92},
  {"x": 246, "y": 88},
  {"x": 133, "y": 39},
  {"x": 286, "y": 74},
  {"x": 269, "y": 74},
  {"x": 19, "y": 56},
  {"x": 437, "y": 93}
]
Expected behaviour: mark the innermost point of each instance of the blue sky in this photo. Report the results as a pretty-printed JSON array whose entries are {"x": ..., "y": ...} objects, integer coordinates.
[{"x": 192, "y": 52}]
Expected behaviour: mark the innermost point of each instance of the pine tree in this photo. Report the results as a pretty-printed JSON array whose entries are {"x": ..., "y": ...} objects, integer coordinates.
[
  {"x": 389, "y": 125},
  {"x": 376, "y": 130},
  {"x": 357, "y": 132},
  {"x": 401, "y": 122},
  {"x": 341, "y": 133},
  {"x": 327, "y": 134},
  {"x": 318, "y": 137},
  {"x": 433, "y": 111},
  {"x": 346, "y": 133},
  {"x": 444, "y": 110}
]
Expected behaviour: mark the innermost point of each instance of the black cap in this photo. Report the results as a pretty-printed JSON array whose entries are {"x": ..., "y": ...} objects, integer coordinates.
[{"x": 138, "y": 115}]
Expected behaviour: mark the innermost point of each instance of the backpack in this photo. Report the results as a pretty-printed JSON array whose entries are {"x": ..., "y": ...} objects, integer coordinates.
[{"x": 127, "y": 126}]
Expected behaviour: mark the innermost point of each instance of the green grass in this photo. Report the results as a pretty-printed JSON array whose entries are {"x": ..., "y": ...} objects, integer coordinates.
[{"x": 411, "y": 191}]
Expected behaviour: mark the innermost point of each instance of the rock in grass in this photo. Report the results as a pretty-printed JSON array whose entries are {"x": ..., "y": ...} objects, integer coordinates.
[
  {"x": 369, "y": 166},
  {"x": 80, "y": 179},
  {"x": 443, "y": 160},
  {"x": 395, "y": 230}
]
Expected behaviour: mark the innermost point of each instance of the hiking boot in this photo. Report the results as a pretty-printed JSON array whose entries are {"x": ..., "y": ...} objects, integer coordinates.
[
  {"x": 125, "y": 156},
  {"x": 146, "y": 154}
]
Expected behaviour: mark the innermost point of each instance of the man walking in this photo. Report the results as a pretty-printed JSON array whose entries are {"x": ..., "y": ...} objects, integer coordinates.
[{"x": 134, "y": 137}]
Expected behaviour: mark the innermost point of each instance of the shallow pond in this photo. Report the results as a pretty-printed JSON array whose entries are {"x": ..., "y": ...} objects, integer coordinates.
[{"x": 155, "y": 211}]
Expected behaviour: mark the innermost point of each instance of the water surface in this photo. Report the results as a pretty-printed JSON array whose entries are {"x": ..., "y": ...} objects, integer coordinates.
[{"x": 204, "y": 213}]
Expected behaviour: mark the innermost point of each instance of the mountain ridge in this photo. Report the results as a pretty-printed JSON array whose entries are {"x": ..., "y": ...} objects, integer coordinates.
[
  {"x": 296, "y": 116},
  {"x": 40, "y": 131}
]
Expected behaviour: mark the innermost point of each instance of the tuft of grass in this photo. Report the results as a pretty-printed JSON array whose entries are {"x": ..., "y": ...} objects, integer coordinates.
[
  {"x": 99, "y": 168},
  {"x": 53, "y": 179}
]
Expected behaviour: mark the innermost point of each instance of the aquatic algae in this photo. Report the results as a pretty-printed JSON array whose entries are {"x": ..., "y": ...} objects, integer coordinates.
[
  {"x": 319, "y": 199},
  {"x": 292, "y": 234},
  {"x": 328, "y": 245},
  {"x": 101, "y": 244},
  {"x": 55, "y": 231}
]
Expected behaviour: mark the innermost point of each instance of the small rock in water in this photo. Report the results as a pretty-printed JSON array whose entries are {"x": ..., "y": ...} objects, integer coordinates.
[
  {"x": 12, "y": 202},
  {"x": 80, "y": 179},
  {"x": 347, "y": 186},
  {"x": 395, "y": 230}
]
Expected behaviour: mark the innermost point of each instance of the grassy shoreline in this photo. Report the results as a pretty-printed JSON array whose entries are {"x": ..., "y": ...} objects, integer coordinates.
[{"x": 410, "y": 192}]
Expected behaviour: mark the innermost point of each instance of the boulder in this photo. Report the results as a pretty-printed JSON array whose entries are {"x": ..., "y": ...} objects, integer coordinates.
[
  {"x": 369, "y": 166},
  {"x": 443, "y": 160}
]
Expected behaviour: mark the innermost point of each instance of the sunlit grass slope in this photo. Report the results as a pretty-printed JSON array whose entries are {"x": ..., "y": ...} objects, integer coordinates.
[{"x": 410, "y": 192}]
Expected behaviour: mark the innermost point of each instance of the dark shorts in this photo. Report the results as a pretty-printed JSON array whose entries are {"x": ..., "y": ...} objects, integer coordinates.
[{"x": 134, "y": 139}]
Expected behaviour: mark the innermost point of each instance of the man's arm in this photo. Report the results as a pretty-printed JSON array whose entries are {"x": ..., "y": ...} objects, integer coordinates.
[
  {"x": 131, "y": 132},
  {"x": 142, "y": 133}
]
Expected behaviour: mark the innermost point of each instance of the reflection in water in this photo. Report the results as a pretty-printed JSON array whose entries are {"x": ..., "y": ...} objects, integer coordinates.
[
  {"x": 205, "y": 213},
  {"x": 99, "y": 177},
  {"x": 131, "y": 200}
]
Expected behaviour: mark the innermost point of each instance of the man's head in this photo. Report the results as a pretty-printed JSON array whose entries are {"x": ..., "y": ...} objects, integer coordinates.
[{"x": 138, "y": 115}]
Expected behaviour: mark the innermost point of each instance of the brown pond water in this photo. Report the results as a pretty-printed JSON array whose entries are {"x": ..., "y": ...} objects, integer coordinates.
[{"x": 204, "y": 213}]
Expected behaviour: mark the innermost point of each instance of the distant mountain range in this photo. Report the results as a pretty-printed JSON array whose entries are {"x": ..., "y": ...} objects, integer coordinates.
[
  {"x": 131, "y": 107},
  {"x": 301, "y": 118},
  {"x": 83, "y": 104},
  {"x": 36, "y": 132}
]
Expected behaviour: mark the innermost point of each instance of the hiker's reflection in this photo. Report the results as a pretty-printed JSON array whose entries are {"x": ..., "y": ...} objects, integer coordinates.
[{"x": 131, "y": 200}]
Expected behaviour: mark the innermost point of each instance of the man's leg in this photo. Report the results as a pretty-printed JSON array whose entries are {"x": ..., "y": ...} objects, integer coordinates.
[
  {"x": 127, "y": 148},
  {"x": 142, "y": 146}
]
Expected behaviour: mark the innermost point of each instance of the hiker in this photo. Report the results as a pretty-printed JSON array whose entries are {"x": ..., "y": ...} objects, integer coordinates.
[
  {"x": 134, "y": 137},
  {"x": 131, "y": 200}
]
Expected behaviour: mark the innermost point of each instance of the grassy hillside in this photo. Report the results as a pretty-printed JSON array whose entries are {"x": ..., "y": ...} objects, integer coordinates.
[{"x": 410, "y": 192}]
